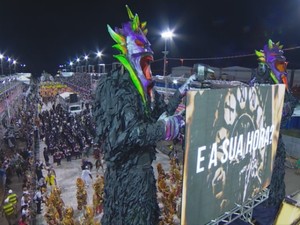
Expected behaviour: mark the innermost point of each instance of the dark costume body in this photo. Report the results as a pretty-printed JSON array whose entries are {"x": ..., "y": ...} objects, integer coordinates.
[
  {"x": 265, "y": 213},
  {"x": 272, "y": 69},
  {"x": 131, "y": 117},
  {"x": 129, "y": 132}
]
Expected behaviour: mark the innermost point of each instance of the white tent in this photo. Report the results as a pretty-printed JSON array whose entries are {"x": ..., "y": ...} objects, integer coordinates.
[
  {"x": 25, "y": 78},
  {"x": 66, "y": 95}
]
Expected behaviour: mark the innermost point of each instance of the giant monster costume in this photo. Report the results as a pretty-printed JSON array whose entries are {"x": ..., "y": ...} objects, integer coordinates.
[
  {"x": 128, "y": 121},
  {"x": 272, "y": 70}
]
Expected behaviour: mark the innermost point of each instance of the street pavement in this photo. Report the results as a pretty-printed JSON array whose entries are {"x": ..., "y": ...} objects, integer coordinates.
[{"x": 68, "y": 172}]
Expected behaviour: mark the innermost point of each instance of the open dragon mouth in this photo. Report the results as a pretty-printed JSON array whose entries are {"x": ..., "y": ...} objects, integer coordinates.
[
  {"x": 145, "y": 65},
  {"x": 280, "y": 66}
]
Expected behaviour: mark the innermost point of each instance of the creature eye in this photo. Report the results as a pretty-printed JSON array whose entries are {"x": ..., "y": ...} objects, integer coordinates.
[{"x": 139, "y": 43}]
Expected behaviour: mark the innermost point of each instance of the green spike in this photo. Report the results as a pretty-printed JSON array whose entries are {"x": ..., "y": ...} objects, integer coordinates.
[
  {"x": 145, "y": 31},
  {"x": 133, "y": 77},
  {"x": 270, "y": 44},
  {"x": 278, "y": 43},
  {"x": 281, "y": 47},
  {"x": 130, "y": 14},
  {"x": 143, "y": 25},
  {"x": 136, "y": 23},
  {"x": 259, "y": 53},
  {"x": 117, "y": 37},
  {"x": 274, "y": 78}
]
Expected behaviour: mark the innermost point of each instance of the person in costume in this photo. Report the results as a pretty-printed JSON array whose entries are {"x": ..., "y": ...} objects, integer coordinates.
[
  {"x": 131, "y": 117},
  {"x": 272, "y": 70}
]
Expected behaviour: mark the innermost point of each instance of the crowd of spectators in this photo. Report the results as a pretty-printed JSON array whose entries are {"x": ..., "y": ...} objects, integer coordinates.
[
  {"x": 20, "y": 160},
  {"x": 66, "y": 136},
  {"x": 11, "y": 94},
  {"x": 81, "y": 83}
]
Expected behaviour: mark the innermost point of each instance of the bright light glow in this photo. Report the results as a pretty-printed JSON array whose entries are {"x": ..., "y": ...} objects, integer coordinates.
[
  {"x": 14, "y": 62},
  {"x": 167, "y": 34},
  {"x": 8, "y": 59},
  {"x": 86, "y": 57},
  {"x": 175, "y": 81},
  {"x": 71, "y": 63},
  {"x": 77, "y": 60},
  {"x": 1, "y": 56},
  {"x": 99, "y": 54}
]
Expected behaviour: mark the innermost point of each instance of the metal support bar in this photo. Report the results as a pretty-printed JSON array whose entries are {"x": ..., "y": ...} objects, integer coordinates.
[{"x": 243, "y": 211}]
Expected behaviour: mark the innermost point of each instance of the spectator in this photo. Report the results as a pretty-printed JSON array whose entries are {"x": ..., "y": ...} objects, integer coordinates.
[
  {"x": 25, "y": 200},
  {"x": 19, "y": 171},
  {"x": 13, "y": 199},
  {"x": 50, "y": 179},
  {"x": 58, "y": 155},
  {"x": 98, "y": 164},
  {"x": 8, "y": 211},
  {"x": 86, "y": 163},
  {"x": 25, "y": 212},
  {"x": 77, "y": 152},
  {"x": 68, "y": 154},
  {"x": 46, "y": 156},
  {"x": 42, "y": 183},
  {"x": 38, "y": 170},
  {"x": 86, "y": 150},
  {"x": 23, "y": 220},
  {"x": 38, "y": 200},
  {"x": 86, "y": 176}
]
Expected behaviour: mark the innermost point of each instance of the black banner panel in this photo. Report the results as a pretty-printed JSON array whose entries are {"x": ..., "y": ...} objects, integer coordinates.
[{"x": 230, "y": 144}]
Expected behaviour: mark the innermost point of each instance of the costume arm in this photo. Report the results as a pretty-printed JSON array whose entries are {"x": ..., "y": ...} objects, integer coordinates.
[
  {"x": 160, "y": 106},
  {"x": 174, "y": 102}
]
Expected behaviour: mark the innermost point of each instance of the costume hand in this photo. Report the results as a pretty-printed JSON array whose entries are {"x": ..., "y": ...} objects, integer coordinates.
[
  {"x": 163, "y": 116},
  {"x": 172, "y": 126},
  {"x": 186, "y": 86}
]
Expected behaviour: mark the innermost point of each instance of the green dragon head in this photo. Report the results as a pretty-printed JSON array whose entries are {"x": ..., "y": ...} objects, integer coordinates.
[
  {"x": 272, "y": 56},
  {"x": 135, "y": 52}
]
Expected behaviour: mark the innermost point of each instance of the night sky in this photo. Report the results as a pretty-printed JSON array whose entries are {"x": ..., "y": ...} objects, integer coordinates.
[{"x": 45, "y": 34}]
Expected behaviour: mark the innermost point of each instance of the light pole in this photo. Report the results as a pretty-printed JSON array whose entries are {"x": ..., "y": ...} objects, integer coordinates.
[
  {"x": 78, "y": 65},
  {"x": 86, "y": 61},
  {"x": 166, "y": 35},
  {"x": 71, "y": 66},
  {"x": 15, "y": 65},
  {"x": 6, "y": 101},
  {"x": 9, "y": 66},
  {"x": 99, "y": 55},
  {"x": 1, "y": 58}
]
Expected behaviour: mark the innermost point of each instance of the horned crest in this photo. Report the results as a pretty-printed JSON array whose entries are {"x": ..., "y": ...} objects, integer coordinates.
[
  {"x": 136, "y": 24},
  {"x": 272, "y": 47},
  {"x": 130, "y": 29},
  {"x": 119, "y": 38}
]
